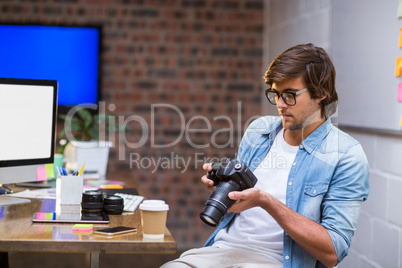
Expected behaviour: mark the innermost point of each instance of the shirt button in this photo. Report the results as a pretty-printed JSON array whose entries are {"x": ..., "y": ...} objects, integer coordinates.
[
  {"x": 287, "y": 257},
  {"x": 301, "y": 147},
  {"x": 294, "y": 164},
  {"x": 314, "y": 191},
  {"x": 290, "y": 183}
]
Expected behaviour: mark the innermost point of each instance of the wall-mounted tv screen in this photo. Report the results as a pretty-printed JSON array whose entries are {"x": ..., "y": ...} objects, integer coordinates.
[{"x": 68, "y": 54}]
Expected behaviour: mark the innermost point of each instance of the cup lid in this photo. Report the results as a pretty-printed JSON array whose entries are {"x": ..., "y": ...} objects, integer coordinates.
[{"x": 154, "y": 205}]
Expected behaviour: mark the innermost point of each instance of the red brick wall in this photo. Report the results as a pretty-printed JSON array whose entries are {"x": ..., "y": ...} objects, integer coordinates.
[{"x": 203, "y": 57}]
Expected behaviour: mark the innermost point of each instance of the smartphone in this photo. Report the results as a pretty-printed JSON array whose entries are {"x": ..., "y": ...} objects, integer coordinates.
[{"x": 115, "y": 230}]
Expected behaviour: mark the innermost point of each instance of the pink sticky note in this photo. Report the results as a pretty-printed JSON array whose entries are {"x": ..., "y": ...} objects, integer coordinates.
[
  {"x": 400, "y": 92},
  {"x": 41, "y": 215},
  {"x": 41, "y": 173}
]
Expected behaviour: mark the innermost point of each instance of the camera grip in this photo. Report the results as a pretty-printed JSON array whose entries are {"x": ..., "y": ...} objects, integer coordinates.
[{"x": 212, "y": 174}]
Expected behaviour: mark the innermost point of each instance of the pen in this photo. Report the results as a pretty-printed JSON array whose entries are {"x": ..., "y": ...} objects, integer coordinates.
[{"x": 82, "y": 168}]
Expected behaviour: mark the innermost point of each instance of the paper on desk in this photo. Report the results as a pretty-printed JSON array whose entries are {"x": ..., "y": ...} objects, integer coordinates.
[{"x": 49, "y": 193}]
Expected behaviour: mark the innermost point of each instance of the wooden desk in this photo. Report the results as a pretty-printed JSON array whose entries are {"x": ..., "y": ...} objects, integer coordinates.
[{"x": 19, "y": 234}]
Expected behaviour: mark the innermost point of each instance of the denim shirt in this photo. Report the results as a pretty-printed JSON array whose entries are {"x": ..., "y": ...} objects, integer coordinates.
[{"x": 327, "y": 183}]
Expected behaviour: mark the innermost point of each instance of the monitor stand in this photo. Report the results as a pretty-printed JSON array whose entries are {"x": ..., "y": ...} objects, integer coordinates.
[{"x": 8, "y": 200}]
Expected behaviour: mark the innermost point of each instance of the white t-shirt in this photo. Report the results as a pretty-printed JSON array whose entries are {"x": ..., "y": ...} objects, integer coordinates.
[{"x": 254, "y": 229}]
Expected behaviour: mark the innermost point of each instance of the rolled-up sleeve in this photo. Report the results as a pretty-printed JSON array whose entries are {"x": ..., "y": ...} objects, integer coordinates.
[{"x": 341, "y": 205}]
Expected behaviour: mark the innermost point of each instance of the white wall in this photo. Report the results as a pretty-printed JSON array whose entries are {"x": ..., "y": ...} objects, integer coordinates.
[
  {"x": 378, "y": 239},
  {"x": 292, "y": 22}
]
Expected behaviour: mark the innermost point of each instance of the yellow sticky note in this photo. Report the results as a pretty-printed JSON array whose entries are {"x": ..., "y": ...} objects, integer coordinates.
[
  {"x": 400, "y": 38},
  {"x": 49, "y": 216},
  {"x": 398, "y": 66},
  {"x": 41, "y": 173},
  {"x": 49, "y": 170},
  {"x": 400, "y": 122}
]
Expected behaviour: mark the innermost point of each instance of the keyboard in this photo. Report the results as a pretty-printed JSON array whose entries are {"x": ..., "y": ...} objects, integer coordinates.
[{"x": 131, "y": 202}]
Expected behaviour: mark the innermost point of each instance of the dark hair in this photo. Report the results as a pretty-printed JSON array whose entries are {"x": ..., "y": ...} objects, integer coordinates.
[{"x": 316, "y": 69}]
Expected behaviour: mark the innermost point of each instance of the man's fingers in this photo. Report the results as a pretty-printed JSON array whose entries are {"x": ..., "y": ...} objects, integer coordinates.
[
  {"x": 207, "y": 166},
  {"x": 234, "y": 195},
  {"x": 207, "y": 181}
]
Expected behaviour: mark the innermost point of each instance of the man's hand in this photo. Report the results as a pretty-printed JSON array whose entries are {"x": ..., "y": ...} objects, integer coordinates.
[
  {"x": 246, "y": 199},
  {"x": 210, "y": 183}
]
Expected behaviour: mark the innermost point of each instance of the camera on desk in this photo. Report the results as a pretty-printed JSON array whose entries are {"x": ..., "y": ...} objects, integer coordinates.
[
  {"x": 94, "y": 204},
  {"x": 229, "y": 175}
]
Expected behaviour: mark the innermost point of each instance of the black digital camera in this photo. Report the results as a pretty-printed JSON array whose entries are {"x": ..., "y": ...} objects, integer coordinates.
[{"x": 229, "y": 175}]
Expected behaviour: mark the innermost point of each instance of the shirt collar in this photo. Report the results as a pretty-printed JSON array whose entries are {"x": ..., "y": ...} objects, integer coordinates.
[{"x": 315, "y": 138}]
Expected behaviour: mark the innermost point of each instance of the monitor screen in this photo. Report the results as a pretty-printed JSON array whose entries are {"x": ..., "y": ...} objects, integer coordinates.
[
  {"x": 67, "y": 54},
  {"x": 27, "y": 136}
]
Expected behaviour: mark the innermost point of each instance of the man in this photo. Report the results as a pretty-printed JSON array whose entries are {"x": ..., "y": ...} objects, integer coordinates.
[{"x": 312, "y": 177}]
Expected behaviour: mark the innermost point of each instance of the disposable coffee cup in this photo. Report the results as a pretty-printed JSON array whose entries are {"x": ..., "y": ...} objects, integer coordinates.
[{"x": 153, "y": 218}]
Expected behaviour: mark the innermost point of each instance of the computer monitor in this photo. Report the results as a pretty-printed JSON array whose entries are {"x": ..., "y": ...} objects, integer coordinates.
[
  {"x": 28, "y": 111},
  {"x": 69, "y": 54}
]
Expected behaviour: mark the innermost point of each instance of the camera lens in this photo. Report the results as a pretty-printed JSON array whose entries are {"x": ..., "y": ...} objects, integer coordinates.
[
  {"x": 213, "y": 212},
  {"x": 92, "y": 203},
  {"x": 218, "y": 203},
  {"x": 113, "y": 204},
  {"x": 92, "y": 199}
]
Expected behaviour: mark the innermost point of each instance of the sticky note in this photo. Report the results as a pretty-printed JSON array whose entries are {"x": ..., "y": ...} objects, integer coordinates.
[
  {"x": 49, "y": 170},
  {"x": 398, "y": 66},
  {"x": 400, "y": 122},
  {"x": 110, "y": 186},
  {"x": 41, "y": 215},
  {"x": 400, "y": 9},
  {"x": 400, "y": 37},
  {"x": 41, "y": 173},
  {"x": 399, "y": 92},
  {"x": 50, "y": 216},
  {"x": 83, "y": 228}
]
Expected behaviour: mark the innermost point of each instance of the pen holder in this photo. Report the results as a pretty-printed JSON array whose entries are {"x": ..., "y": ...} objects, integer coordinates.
[{"x": 69, "y": 189}]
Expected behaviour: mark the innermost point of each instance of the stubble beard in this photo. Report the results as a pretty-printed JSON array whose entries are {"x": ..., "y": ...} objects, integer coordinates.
[{"x": 307, "y": 118}]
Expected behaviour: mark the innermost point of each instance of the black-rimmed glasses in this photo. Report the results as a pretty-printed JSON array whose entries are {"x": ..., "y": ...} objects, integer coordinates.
[{"x": 287, "y": 96}]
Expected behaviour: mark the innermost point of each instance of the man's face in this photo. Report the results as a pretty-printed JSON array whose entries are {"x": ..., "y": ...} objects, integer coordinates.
[{"x": 305, "y": 112}]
